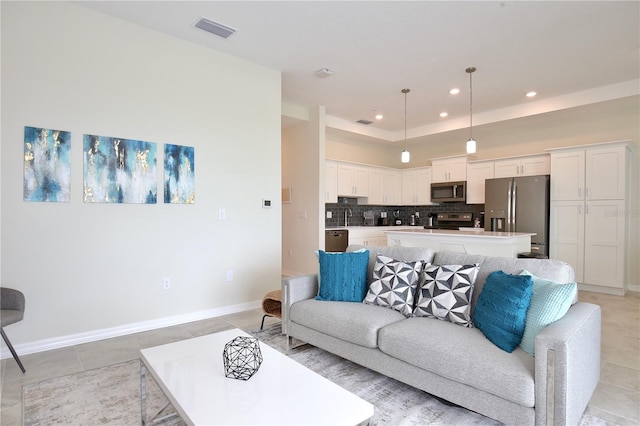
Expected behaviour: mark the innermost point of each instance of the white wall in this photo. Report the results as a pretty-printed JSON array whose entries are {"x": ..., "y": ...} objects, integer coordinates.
[
  {"x": 303, "y": 171},
  {"x": 86, "y": 267}
]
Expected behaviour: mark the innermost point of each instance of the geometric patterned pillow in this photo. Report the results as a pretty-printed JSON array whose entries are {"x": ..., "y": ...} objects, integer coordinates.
[
  {"x": 445, "y": 293},
  {"x": 394, "y": 284}
]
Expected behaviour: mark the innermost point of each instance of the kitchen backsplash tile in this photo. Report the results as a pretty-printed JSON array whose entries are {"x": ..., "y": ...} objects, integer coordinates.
[{"x": 356, "y": 212}]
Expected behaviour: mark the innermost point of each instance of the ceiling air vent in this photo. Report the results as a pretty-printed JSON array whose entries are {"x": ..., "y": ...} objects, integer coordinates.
[
  {"x": 215, "y": 28},
  {"x": 363, "y": 121}
]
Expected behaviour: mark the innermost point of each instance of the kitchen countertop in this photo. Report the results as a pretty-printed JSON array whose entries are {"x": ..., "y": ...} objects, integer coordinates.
[{"x": 465, "y": 233}]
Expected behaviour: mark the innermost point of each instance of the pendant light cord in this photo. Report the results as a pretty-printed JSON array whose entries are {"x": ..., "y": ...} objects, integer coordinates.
[
  {"x": 405, "y": 91},
  {"x": 470, "y": 70}
]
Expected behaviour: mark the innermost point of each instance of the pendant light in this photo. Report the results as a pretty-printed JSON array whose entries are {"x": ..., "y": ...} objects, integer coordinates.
[
  {"x": 471, "y": 143},
  {"x": 406, "y": 155}
]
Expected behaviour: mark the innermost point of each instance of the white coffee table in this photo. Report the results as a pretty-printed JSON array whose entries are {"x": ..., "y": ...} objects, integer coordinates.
[{"x": 282, "y": 392}]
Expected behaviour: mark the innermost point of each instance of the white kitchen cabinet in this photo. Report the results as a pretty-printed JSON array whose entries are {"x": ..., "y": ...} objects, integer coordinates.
[
  {"x": 567, "y": 175},
  {"x": 449, "y": 169},
  {"x": 605, "y": 175},
  {"x": 416, "y": 187},
  {"x": 592, "y": 174},
  {"x": 589, "y": 216},
  {"x": 530, "y": 165},
  {"x": 384, "y": 186},
  {"x": 353, "y": 180},
  {"x": 331, "y": 182},
  {"x": 367, "y": 237},
  {"x": 477, "y": 173},
  {"x": 376, "y": 186},
  {"x": 392, "y": 188}
]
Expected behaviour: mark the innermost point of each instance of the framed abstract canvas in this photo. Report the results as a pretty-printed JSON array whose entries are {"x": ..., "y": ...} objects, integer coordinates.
[
  {"x": 119, "y": 170},
  {"x": 47, "y": 165},
  {"x": 179, "y": 174}
]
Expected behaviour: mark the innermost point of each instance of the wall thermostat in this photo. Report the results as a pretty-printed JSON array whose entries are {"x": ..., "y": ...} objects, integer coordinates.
[{"x": 266, "y": 204}]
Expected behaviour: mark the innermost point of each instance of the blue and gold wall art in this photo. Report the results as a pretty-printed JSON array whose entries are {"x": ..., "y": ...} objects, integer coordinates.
[
  {"x": 119, "y": 170},
  {"x": 47, "y": 165},
  {"x": 179, "y": 174}
]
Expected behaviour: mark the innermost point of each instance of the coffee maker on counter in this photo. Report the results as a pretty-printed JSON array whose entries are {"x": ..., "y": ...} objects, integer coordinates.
[{"x": 383, "y": 220}]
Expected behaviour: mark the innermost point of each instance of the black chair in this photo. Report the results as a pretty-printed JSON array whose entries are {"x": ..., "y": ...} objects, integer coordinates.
[{"x": 11, "y": 311}]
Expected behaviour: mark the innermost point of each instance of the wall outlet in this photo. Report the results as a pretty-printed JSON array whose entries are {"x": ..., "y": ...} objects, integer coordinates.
[
  {"x": 329, "y": 215},
  {"x": 229, "y": 275},
  {"x": 166, "y": 283},
  {"x": 222, "y": 215},
  {"x": 417, "y": 215}
]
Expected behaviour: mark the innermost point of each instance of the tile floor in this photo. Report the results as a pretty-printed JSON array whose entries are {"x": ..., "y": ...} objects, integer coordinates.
[{"x": 617, "y": 398}]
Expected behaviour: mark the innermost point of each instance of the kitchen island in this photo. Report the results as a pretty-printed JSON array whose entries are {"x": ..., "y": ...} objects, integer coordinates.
[{"x": 487, "y": 243}]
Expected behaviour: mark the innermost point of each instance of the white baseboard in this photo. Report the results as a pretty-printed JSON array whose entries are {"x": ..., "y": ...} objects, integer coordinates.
[{"x": 107, "y": 333}]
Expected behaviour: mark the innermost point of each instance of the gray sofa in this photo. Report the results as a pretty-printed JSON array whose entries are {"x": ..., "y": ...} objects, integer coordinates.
[{"x": 456, "y": 363}]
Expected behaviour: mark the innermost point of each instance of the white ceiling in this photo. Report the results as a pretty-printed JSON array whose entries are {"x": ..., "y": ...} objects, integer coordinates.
[{"x": 571, "y": 52}]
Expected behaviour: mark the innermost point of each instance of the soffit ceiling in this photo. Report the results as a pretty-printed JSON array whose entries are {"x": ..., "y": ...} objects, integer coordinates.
[{"x": 571, "y": 53}]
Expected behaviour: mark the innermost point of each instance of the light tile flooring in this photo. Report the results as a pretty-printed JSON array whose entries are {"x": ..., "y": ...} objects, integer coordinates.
[{"x": 617, "y": 398}]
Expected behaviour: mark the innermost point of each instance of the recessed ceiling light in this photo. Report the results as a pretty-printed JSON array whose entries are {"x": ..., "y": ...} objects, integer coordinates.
[
  {"x": 379, "y": 116},
  {"x": 454, "y": 91},
  {"x": 531, "y": 94},
  {"x": 444, "y": 114}
]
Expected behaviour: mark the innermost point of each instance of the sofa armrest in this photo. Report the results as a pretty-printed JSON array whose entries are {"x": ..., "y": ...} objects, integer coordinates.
[
  {"x": 567, "y": 365},
  {"x": 294, "y": 289}
]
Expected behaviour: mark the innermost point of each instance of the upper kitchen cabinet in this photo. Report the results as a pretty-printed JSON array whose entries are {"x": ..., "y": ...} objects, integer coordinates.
[
  {"x": 477, "y": 173},
  {"x": 353, "y": 180},
  {"x": 416, "y": 186},
  {"x": 449, "y": 169},
  {"x": 331, "y": 182},
  {"x": 593, "y": 173},
  {"x": 530, "y": 165},
  {"x": 384, "y": 186}
]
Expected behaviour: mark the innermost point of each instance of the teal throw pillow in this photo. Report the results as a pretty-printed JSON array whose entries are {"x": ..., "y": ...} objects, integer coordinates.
[
  {"x": 550, "y": 301},
  {"x": 501, "y": 309},
  {"x": 343, "y": 276}
]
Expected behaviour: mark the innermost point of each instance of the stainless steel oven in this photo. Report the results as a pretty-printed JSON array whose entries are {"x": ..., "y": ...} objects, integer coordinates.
[{"x": 449, "y": 192}]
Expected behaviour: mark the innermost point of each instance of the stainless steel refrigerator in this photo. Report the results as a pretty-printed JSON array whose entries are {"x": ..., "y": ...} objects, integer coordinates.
[{"x": 519, "y": 204}]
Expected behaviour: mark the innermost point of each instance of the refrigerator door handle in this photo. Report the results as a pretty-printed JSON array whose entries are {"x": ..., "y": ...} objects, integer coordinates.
[{"x": 513, "y": 206}]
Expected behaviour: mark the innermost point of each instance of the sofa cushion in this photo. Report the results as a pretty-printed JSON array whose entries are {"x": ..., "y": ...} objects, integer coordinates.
[
  {"x": 353, "y": 322},
  {"x": 550, "y": 269},
  {"x": 463, "y": 355},
  {"x": 502, "y": 308},
  {"x": 550, "y": 301},
  {"x": 343, "y": 276},
  {"x": 394, "y": 284},
  {"x": 445, "y": 293}
]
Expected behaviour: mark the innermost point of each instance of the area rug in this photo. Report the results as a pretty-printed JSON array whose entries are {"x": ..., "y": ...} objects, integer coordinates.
[
  {"x": 111, "y": 395},
  {"x": 107, "y": 396}
]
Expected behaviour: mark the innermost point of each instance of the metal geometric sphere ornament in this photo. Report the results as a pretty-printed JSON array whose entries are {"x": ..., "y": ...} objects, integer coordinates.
[{"x": 242, "y": 358}]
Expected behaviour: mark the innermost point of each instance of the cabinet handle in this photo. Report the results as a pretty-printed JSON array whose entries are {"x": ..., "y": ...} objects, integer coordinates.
[
  {"x": 587, "y": 192},
  {"x": 579, "y": 192}
]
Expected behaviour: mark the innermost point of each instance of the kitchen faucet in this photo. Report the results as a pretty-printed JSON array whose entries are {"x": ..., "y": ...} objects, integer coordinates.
[{"x": 346, "y": 221}]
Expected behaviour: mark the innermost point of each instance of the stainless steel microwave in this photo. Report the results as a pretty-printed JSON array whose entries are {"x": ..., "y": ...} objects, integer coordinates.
[{"x": 449, "y": 192}]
